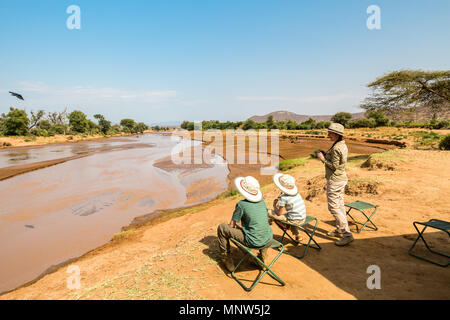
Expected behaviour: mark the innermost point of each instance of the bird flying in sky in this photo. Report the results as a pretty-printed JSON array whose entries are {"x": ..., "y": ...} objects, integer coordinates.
[{"x": 18, "y": 96}]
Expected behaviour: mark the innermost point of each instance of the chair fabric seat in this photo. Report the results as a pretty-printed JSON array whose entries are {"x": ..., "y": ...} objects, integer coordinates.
[
  {"x": 360, "y": 205},
  {"x": 368, "y": 214},
  {"x": 273, "y": 244},
  {"x": 437, "y": 224}
]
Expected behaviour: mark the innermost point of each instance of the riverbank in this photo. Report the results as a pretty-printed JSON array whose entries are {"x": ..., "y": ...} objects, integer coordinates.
[
  {"x": 178, "y": 258},
  {"x": 11, "y": 142}
]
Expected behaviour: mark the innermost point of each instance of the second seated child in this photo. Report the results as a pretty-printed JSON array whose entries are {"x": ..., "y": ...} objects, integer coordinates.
[{"x": 289, "y": 205}]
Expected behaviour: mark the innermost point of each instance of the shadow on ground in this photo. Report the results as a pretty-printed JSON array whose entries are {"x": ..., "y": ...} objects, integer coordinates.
[{"x": 402, "y": 276}]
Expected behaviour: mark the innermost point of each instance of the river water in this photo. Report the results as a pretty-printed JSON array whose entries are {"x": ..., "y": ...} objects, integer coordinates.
[{"x": 60, "y": 212}]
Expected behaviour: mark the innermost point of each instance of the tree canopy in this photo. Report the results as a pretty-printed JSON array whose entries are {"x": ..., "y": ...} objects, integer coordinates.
[
  {"x": 16, "y": 122},
  {"x": 78, "y": 121},
  {"x": 407, "y": 89},
  {"x": 342, "y": 118}
]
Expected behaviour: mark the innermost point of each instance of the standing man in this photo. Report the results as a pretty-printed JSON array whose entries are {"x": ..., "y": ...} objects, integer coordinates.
[{"x": 335, "y": 159}]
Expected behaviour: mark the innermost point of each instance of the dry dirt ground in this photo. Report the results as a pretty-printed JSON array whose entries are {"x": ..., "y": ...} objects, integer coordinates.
[{"x": 178, "y": 258}]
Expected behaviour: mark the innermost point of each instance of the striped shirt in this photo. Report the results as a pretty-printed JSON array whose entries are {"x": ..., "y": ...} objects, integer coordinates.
[{"x": 295, "y": 206}]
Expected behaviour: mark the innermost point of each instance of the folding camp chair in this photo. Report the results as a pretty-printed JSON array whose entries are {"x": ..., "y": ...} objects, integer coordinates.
[
  {"x": 301, "y": 227},
  {"x": 266, "y": 268},
  {"x": 361, "y": 206},
  {"x": 436, "y": 224}
]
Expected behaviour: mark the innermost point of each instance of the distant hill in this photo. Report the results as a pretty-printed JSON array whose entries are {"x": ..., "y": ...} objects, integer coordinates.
[
  {"x": 285, "y": 115},
  {"x": 166, "y": 124}
]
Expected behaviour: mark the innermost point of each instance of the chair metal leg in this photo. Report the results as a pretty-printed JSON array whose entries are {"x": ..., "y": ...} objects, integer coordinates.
[
  {"x": 420, "y": 236},
  {"x": 368, "y": 219},
  {"x": 308, "y": 244},
  {"x": 266, "y": 269}
]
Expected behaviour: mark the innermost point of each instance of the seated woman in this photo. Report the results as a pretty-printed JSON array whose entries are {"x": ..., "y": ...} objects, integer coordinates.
[
  {"x": 289, "y": 206},
  {"x": 252, "y": 214}
]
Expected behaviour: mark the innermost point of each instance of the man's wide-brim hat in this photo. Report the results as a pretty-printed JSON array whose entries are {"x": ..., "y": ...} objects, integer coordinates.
[
  {"x": 249, "y": 188},
  {"x": 336, "y": 128},
  {"x": 286, "y": 183}
]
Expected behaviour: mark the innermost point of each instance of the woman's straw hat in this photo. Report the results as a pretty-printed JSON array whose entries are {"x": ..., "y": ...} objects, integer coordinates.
[
  {"x": 285, "y": 183},
  {"x": 249, "y": 188},
  {"x": 336, "y": 128}
]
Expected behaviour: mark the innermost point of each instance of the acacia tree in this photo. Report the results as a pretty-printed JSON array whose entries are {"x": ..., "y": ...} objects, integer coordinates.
[
  {"x": 104, "y": 124},
  {"x": 128, "y": 125},
  {"x": 35, "y": 118},
  {"x": 410, "y": 89},
  {"x": 58, "y": 121}
]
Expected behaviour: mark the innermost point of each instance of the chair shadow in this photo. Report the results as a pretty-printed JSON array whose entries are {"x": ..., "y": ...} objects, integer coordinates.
[{"x": 402, "y": 275}]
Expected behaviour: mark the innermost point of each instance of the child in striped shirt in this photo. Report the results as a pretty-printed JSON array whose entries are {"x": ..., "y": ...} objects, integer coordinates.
[{"x": 289, "y": 205}]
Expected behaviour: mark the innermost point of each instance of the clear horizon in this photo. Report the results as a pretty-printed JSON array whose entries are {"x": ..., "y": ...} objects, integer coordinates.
[{"x": 160, "y": 62}]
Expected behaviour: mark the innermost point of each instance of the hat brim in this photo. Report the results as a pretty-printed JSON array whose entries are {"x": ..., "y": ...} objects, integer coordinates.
[
  {"x": 250, "y": 197},
  {"x": 337, "y": 132},
  {"x": 289, "y": 192}
]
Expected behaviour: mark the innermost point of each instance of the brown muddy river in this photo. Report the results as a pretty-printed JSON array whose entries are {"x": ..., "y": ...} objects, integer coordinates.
[{"x": 60, "y": 212}]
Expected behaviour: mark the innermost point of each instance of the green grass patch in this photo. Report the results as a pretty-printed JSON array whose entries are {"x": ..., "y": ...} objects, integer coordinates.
[
  {"x": 289, "y": 164},
  {"x": 387, "y": 155},
  {"x": 228, "y": 194},
  {"x": 315, "y": 132}
]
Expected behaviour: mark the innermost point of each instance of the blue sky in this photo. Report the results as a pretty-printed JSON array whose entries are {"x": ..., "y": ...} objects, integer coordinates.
[{"x": 158, "y": 61}]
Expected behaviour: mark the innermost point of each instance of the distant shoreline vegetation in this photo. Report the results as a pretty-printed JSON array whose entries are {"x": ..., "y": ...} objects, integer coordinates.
[
  {"x": 373, "y": 119},
  {"x": 17, "y": 123}
]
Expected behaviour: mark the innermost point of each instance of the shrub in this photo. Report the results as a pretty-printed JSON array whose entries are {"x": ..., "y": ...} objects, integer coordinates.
[
  {"x": 445, "y": 143},
  {"x": 16, "y": 123},
  {"x": 39, "y": 132}
]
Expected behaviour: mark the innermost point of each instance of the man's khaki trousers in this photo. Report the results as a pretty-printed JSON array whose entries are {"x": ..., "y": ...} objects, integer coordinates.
[{"x": 335, "y": 197}]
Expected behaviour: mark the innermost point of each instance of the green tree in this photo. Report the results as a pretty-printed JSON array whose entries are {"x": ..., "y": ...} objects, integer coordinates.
[
  {"x": 104, "y": 124},
  {"x": 2, "y": 124},
  {"x": 291, "y": 124},
  {"x": 250, "y": 124},
  {"x": 78, "y": 122},
  {"x": 44, "y": 124},
  {"x": 342, "y": 118},
  {"x": 323, "y": 124},
  {"x": 309, "y": 124},
  {"x": 409, "y": 89},
  {"x": 93, "y": 127},
  {"x": 141, "y": 127},
  {"x": 269, "y": 122},
  {"x": 378, "y": 116},
  {"x": 35, "y": 118},
  {"x": 16, "y": 122},
  {"x": 128, "y": 125},
  {"x": 115, "y": 129}
]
